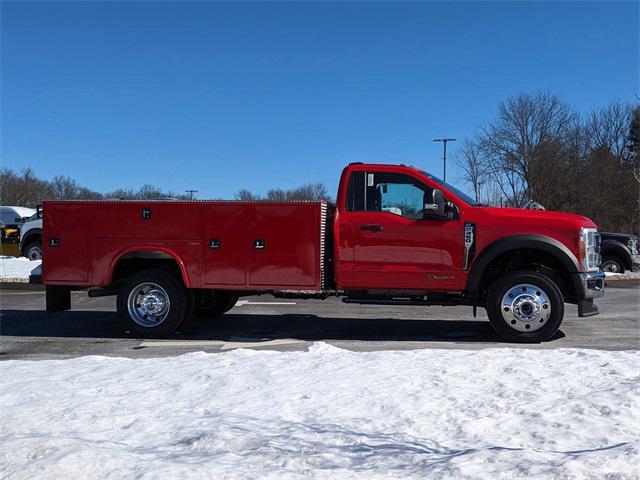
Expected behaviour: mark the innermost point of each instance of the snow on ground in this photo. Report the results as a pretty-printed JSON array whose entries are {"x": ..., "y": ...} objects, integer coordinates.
[
  {"x": 623, "y": 276},
  {"x": 17, "y": 269},
  {"x": 326, "y": 413}
]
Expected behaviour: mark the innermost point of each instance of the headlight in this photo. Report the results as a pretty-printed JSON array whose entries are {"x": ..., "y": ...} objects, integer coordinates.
[
  {"x": 589, "y": 249},
  {"x": 633, "y": 246}
]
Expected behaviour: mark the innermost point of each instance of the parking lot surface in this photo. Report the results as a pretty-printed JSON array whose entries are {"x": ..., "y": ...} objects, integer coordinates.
[{"x": 92, "y": 327}]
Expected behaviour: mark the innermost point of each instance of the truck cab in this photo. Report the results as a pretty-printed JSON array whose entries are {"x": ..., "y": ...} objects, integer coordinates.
[{"x": 400, "y": 231}]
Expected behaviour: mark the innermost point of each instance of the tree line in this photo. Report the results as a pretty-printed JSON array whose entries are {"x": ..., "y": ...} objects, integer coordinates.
[
  {"x": 27, "y": 190},
  {"x": 309, "y": 191},
  {"x": 538, "y": 148}
]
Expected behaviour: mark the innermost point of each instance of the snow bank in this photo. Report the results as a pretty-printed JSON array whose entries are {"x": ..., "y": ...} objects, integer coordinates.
[
  {"x": 622, "y": 276},
  {"x": 326, "y": 413},
  {"x": 17, "y": 269}
]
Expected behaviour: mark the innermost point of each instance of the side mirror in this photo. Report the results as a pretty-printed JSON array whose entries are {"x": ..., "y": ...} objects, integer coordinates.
[{"x": 435, "y": 209}]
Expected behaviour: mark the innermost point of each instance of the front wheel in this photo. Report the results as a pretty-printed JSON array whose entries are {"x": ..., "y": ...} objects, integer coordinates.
[
  {"x": 154, "y": 303},
  {"x": 33, "y": 251},
  {"x": 525, "y": 307},
  {"x": 612, "y": 265}
]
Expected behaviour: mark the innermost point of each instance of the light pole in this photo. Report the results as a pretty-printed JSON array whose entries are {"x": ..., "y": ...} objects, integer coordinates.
[
  {"x": 191, "y": 192},
  {"x": 444, "y": 158}
]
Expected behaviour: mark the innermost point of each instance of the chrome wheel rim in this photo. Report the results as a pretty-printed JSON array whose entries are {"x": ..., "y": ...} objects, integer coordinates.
[
  {"x": 611, "y": 267},
  {"x": 35, "y": 253},
  {"x": 525, "y": 307},
  {"x": 148, "y": 304}
]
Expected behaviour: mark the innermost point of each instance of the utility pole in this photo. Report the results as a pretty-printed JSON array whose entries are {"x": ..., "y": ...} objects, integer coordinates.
[
  {"x": 444, "y": 158},
  {"x": 191, "y": 192}
]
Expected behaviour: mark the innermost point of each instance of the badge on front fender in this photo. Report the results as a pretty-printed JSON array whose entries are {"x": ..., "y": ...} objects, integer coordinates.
[{"x": 469, "y": 243}]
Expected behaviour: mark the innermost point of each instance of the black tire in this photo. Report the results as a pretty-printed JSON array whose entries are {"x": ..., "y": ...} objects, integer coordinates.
[
  {"x": 544, "y": 304},
  {"x": 178, "y": 310},
  {"x": 213, "y": 304},
  {"x": 612, "y": 263},
  {"x": 33, "y": 251}
]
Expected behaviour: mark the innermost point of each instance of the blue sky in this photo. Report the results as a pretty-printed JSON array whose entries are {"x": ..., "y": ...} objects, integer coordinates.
[{"x": 222, "y": 96}]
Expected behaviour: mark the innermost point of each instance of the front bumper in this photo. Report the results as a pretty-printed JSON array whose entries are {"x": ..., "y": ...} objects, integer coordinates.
[
  {"x": 635, "y": 260},
  {"x": 592, "y": 286}
]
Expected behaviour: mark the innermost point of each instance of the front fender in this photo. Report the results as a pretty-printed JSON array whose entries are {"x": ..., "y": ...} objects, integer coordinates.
[
  {"x": 521, "y": 242},
  {"x": 29, "y": 236}
]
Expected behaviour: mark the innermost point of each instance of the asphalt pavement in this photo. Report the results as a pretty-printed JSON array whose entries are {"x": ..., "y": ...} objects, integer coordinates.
[{"x": 92, "y": 327}]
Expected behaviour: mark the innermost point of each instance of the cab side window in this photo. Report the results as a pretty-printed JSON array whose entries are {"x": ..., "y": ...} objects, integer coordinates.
[
  {"x": 397, "y": 194},
  {"x": 387, "y": 192}
]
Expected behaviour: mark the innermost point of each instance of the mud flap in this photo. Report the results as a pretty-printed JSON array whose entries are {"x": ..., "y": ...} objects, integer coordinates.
[
  {"x": 58, "y": 298},
  {"x": 586, "y": 308}
]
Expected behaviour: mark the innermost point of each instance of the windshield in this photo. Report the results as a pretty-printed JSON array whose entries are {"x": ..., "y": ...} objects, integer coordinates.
[{"x": 452, "y": 189}]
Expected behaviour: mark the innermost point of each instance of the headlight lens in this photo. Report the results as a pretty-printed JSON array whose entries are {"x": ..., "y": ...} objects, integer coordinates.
[{"x": 589, "y": 249}]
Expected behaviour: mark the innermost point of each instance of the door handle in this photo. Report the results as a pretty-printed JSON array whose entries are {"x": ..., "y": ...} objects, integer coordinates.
[{"x": 372, "y": 228}]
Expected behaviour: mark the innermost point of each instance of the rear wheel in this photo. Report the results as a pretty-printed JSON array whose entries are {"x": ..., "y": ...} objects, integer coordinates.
[
  {"x": 154, "y": 303},
  {"x": 525, "y": 307},
  {"x": 33, "y": 251},
  {"x": 211, "y": 303}
]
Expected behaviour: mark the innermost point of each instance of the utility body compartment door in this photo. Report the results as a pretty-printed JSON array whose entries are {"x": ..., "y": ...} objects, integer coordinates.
[
  {"x": 65, "y": 243},
  {"x": 226, "y": 244},
  {"x": 285, "y": 245},
  {"x": 262, "y": 245}
]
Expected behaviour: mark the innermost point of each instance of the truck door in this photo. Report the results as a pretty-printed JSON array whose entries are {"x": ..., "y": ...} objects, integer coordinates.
[{"x": 394, "y": 246}]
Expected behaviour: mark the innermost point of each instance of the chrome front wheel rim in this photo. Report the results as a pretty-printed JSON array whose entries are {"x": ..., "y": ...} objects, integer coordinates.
[
  {"x": 610, "y": 267},
  {"x": 525, "y": 307},
  {"x": 148, "y": 304}
]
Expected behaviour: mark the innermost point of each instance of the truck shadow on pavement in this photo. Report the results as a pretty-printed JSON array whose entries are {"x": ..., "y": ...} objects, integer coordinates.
[{"x": 107, "y": 325}]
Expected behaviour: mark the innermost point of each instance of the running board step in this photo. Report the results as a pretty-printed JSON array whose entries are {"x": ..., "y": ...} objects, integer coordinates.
[{"x": 398, "y": 301}]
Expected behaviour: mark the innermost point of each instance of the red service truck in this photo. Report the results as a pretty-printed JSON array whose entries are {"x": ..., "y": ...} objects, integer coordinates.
[{"x": 396, "y": 236}]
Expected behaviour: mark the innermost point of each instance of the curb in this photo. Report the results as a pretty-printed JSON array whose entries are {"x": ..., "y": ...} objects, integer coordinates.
[
  {"x": 20, "y": 285},
  {"x": 622, "y": 281}
]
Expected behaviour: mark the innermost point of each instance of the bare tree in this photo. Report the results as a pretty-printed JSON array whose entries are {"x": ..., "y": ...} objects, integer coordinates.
[
  {"x": 469, "y": 159},
  {"x": 245, "y": 195},
  {"x": 308, "y": 191},
  {"x": 149, "y": 192},
  {"x": 25, "y": 189},
  {"x": 633, "y": 145},
  {"x": 515, "y": 139},
  {"x": 277, "y": 195},
  {"x": 608, "y": 128}
]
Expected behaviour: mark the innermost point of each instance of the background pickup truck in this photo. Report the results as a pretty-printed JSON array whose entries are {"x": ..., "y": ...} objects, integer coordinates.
[
  {"x": 620, "y": 252},
  {"x": 397, "y": 235}
]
